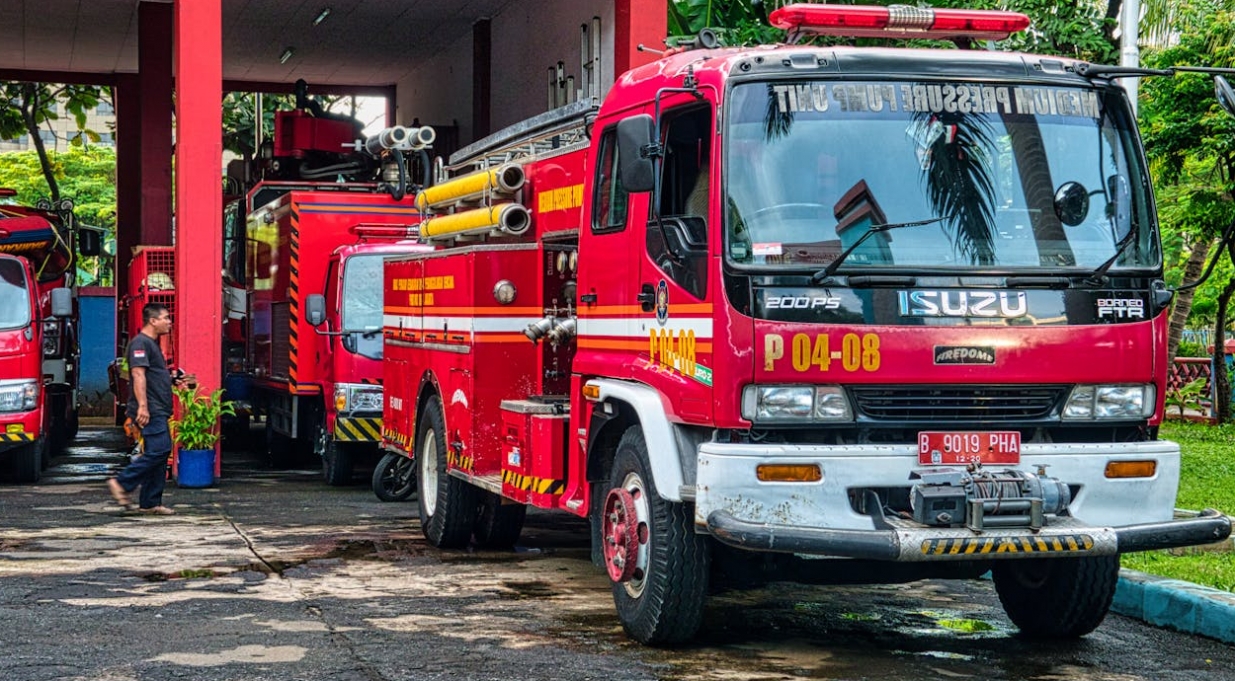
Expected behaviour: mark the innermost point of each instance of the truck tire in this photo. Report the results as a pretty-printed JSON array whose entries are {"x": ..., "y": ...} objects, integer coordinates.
[
  {"x": 394, "y": 478},
  {"x": 280, "y": 449},
  {"x": 447, "y": 504},
  {"x": 1057, "y": 597},
  {"x": 498, "y": 525},
  {"x": 27, "y": 461},
  {"x": 660, "y": 599},
  {"x": 336, "y": 463}
]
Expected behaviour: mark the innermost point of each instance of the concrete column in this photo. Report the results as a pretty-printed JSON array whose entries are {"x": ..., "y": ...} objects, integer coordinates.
[
  {"x": 482, "y": 72},
  {"x": 154, "y": 75},
  {"x": 638, "y": 21},
  {"x": 199, "y": 189},
  {"x": 127, "y": 95}
]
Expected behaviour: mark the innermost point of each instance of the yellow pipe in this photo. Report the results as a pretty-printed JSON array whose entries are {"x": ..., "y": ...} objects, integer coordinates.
[
  {"x": 503, "y": 180},
  {"x": 511, "y": 218}
]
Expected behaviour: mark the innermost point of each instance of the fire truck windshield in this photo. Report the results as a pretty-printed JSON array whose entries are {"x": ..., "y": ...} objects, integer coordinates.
[
  {"x": 361, "y": 313},
  {"x": 14, "y": 295},
  {"x": 1025, "y": 177}
]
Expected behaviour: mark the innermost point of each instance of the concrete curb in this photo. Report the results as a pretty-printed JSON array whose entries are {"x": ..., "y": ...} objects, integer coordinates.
[{"x": 1176, "y": 604}]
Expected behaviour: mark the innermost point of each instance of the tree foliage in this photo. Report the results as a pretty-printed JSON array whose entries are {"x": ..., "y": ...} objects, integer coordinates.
[
  {"x": 27, "y": 106},
  {"x": 87, "y": 175}
]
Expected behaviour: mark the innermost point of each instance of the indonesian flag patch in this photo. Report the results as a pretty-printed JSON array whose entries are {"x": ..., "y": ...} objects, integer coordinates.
[{"x": 139, "y": 354}]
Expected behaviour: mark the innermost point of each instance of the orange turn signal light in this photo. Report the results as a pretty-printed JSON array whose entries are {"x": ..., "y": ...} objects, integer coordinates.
[
  {"x": 591, "y": 392},
  {"x": 789, "y": 472},
  {"x": 1131, "y": 469}
]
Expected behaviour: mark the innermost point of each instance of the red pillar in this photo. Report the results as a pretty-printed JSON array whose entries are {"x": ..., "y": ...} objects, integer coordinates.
[
  {"x": 127, "y": 95},
  {"x": 154, "y": 75},
  {"x": 638, "y": 21},
  {"x": 199, "y": 189}
]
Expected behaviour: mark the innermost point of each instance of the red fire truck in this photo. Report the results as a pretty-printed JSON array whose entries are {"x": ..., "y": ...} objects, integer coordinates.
[
  {"x": 39, "y": 349},
  {"x": 304, "y": 268},
  {"x": 819, "y": 314}
]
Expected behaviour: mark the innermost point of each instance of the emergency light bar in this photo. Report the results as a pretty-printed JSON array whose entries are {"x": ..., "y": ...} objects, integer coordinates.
[{"x": 898, "y": 21}]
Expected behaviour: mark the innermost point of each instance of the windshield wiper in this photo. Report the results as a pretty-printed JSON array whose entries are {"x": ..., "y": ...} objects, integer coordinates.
[
  {"x": 1098, "y": 276},
  {"x": 874, "y": 229},
  {"x": 1113, "y": 71}
]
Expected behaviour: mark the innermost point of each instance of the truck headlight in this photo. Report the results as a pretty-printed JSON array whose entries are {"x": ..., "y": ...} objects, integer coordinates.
[
  {"x": 18, "y": 395},
  {"x": 350, "y": 397},
  {"x": 1110, "y": 402},
  {"x": 795, "y": 404}
]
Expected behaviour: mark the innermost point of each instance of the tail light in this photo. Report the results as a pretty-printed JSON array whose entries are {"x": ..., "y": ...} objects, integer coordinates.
[{"x": 898, "y": 21}]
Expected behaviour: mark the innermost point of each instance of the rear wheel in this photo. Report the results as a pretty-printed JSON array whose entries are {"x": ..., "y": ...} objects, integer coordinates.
[
  {"x": 394, "y": 478},
  {"x": 657, "y": 563},
  {"x": 1059, "y": 597},
  {"x": 498, "y": 525},
  {"x": 447, "y": 504},
  {"x": 336, "y": 462}
]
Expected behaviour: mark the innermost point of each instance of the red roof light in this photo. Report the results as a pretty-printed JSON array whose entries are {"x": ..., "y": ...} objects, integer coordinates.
[{"x": 898, "y": 21}]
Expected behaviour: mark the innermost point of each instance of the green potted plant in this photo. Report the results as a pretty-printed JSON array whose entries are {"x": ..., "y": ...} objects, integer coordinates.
[{"x": 195, "y": 431}]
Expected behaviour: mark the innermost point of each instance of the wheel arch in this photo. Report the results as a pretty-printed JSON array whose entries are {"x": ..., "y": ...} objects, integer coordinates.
[{"x": 637, "y": 404}]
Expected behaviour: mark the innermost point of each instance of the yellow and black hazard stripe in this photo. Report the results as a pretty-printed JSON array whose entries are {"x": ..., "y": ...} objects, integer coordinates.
[
  {"x": 532, "y": 483},
  {"x": 293, "y": 296},
  {"x": 1061, "y": 543},
  {"x": 457, "y": 460},
  {"x": 358, "y": 429},
  {"x": 16, "y": 437},
  {"x": 395, "y": 437}
]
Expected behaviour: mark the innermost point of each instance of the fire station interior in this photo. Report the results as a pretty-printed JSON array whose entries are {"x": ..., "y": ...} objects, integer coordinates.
[{"x": 465, "y": 69}]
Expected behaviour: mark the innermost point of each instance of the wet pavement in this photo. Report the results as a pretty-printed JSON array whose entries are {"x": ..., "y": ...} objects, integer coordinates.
[{"x": 274, "y": 575}]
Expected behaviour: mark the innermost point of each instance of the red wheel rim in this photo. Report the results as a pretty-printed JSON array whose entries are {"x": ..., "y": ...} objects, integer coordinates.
[{"x": 620, "y": 535}]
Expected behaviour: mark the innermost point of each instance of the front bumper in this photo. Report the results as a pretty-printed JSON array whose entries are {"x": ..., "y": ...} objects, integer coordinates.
[
  {"x": 1106, "y": 516},
  {"x": 913, "y": 543},
  {"x": 358, "y": 428}
]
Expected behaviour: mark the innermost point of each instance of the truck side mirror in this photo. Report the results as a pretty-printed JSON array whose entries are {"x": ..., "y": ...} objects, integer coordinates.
[
  {"x": 315, "y": 309},
  {"x": 61, "y": 302},
  {"x": 89, "y": 241},
  {"x": 1225, "y": 94},
  {"x": 634, "y": 136}
]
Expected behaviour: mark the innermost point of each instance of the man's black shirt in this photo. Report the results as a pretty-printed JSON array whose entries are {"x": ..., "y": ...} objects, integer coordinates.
[{"x": 144, "y": 351}]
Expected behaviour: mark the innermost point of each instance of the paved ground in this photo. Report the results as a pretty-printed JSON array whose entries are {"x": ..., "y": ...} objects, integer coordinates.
[{"x": 275, "y": 576}]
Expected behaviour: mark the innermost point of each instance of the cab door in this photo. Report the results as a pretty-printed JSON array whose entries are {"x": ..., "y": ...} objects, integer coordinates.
[{"x": 676, "y": 274}]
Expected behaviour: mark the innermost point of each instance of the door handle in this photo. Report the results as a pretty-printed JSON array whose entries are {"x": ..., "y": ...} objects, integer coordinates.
[{"x": 647, "y": 298}]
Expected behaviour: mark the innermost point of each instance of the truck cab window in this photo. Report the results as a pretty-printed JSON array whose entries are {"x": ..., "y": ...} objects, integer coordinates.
[
  {"x": 680, "y": 248},
  {"x": 610, "y": 199}
]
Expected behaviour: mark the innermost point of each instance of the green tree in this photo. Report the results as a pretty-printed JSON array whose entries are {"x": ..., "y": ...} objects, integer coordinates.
[
  {"x": 26, "y": 106},
  {"x": 1191, "y": 145},
  {"x": 87, "y": 175}
]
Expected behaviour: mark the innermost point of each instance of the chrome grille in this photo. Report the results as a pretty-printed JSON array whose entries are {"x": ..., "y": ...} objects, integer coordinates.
[{"x": 957, "y": 403}]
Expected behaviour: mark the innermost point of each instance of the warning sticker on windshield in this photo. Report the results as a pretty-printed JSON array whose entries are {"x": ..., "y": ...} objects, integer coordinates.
[{"x": 937, "y": 98}]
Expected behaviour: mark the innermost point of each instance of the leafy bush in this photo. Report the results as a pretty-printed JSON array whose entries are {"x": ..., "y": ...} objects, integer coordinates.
[
  {"x": 198, "y": 425},
  {"x": 1191, "y": 349}
]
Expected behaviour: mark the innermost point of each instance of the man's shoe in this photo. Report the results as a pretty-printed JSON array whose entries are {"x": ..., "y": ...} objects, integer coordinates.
[
  {"x": 118, "y": 493},
  {"x": 158, "y": 510}
]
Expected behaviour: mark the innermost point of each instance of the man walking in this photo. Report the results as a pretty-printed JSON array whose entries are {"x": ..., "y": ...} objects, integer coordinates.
[{"x": 149, "y": 408}]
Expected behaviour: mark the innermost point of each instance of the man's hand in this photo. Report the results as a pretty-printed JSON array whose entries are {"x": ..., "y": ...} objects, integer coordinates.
[{"x": 143, "y": 416}]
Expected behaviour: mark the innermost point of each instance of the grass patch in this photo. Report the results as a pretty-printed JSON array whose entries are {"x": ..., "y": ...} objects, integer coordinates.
[{"x": 1207, "y": 480}]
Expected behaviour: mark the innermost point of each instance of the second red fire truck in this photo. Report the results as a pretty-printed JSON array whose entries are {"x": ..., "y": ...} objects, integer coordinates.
[{"x": 824, "y": 314}]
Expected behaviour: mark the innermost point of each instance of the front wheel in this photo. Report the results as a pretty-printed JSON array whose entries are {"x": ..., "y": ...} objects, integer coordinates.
[
  {"x": 336, "y": 463},
  {"x": 27, "y": 461},
  {"x": 394, "y": 478},
  {"x": 447, "y": 504},
  {"x": 1057, "y": 597},
  {"x": 657, "y": 563}
]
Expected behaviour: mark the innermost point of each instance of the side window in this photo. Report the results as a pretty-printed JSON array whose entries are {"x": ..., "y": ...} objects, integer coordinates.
[
  {"x": 678, "y": 242},
  {"x": 611, "y": 199}
]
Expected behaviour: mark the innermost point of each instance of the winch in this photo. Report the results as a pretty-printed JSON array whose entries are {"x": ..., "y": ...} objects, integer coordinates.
[{"x": 978, "y": 498}]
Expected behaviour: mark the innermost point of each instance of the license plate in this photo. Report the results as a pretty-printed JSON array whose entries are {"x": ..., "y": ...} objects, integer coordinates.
[{"x": 1000, "y": 446}]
